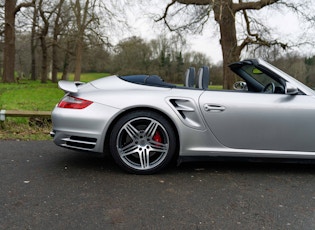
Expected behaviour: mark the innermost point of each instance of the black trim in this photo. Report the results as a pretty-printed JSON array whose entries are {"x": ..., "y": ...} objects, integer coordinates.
[
  {"x": 150, "y": 80},
  {"x": 184, "y": 159}
]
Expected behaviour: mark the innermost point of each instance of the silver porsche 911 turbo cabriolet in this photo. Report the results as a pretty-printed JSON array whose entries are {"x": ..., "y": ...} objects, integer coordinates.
[{"x": 145, "y": 122}]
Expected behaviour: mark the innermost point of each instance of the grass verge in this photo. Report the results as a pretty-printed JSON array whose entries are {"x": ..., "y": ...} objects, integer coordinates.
[
  {"x": 13, "y": 130},
  {"x": 33, "y": 96}
]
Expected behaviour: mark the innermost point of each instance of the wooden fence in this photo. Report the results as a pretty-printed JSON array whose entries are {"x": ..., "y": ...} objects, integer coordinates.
[{"x": 23, "y": 113}]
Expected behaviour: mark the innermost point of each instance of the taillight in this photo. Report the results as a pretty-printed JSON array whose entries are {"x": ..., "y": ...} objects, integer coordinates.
[{"x": 69, "y": 102}]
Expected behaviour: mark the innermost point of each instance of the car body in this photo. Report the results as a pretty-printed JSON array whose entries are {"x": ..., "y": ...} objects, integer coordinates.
[{"x": 145, "y": 122}]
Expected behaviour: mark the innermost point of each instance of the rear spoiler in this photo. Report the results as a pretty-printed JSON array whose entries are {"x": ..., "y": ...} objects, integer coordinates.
[{"x": 69, "y": 86}]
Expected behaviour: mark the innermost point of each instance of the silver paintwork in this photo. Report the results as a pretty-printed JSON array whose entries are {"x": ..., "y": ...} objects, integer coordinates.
[{"x": 208, "y": 123}]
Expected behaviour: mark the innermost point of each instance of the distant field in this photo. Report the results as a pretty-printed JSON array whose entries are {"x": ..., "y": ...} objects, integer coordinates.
[
  {"x": 32, "y": 95},
  {"x": 29, "y": 95}
]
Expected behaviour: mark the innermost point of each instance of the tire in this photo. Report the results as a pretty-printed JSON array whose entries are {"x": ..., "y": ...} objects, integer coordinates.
[{"x": 142, "y": 142}]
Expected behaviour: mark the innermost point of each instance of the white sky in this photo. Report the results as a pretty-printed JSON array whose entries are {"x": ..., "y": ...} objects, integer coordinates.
[{"x": 285, "y": 25}]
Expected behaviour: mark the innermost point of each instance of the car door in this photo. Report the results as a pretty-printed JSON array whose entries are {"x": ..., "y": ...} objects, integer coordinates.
[{"x": 245, "y": 120}]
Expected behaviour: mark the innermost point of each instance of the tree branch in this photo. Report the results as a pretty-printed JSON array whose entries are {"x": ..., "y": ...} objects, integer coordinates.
[
  {"x": 198, "y": 15},
  {"x": 253, "y": 5},
  {"x": 196, "y": 2},
  {"x": 254, "y": 38},
  {"x": 24, "y": 4},
  {"x": 166, "y": 11}
]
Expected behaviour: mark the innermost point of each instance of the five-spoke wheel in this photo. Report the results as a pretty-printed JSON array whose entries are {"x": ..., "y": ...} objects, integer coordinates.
[{"x": 142, "y": 142}]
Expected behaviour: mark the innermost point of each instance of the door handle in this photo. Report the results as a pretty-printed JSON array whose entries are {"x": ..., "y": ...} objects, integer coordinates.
[{"x": 215, "y": 108}]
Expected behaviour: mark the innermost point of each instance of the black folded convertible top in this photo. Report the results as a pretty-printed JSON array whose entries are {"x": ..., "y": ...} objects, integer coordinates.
[{"x": 151, "y": 80}]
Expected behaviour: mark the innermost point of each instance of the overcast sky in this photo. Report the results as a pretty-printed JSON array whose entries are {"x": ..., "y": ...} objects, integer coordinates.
[{"x": 285, "y": 25}]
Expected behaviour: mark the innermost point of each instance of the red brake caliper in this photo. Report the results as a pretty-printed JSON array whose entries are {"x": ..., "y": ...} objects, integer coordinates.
[{"x": 157, "y": 137}]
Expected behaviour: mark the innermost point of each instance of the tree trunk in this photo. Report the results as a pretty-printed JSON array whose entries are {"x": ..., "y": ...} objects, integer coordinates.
[
  {"x": 33, "y": 45},
  {"x": 225, "y": 17},
  {"x": 66, "y": 63},
  {"x": 55, "y": 42},
  {"x": 54, "y": 60},
  {"x": 65, "y": 71},
  {"x": 82, "y": 23},
  {"x": 43, "y": 36},
  {"x": 44, "y": 71},
  {"x": 9, "y": 38},
  {"x": 9, "y": 41},
  {"x": 78, "y": 60}
]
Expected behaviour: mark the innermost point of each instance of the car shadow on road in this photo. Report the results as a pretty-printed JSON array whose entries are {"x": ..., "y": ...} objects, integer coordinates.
[
  {"x": 76, "y": 160},
  {"x": 261, "y": 166},
  {"x": 105, "y": 163}
]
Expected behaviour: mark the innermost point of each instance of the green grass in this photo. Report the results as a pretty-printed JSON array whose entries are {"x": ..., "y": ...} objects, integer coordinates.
[
  {"x": 34, "y": 96},
  {"x": 29, "y": 96},
  {"x": 216, "y": 87}
]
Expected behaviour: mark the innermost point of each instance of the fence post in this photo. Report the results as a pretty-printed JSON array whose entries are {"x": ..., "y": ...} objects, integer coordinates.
[{"x": 2, "y": 115}]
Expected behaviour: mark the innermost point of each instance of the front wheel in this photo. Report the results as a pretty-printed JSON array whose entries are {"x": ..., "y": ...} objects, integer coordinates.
[{"x": 142, "y": 142}]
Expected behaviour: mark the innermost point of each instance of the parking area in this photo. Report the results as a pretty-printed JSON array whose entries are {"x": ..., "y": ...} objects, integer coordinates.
[{"x": 46, "y": 187}]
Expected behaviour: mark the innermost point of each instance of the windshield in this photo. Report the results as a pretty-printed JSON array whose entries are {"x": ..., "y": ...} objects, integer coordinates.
[
  {"x": 287, "y": 77},
  {"x": 259, "y": 76}
]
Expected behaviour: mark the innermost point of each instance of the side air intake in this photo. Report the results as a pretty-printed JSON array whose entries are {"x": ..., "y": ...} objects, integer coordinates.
[{"x": 187, "y": 111}]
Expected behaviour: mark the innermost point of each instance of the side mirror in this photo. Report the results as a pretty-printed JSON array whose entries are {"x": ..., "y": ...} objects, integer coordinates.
[
  {"x": 291, "y": 89},
  {"x": 240, "y": 85}
]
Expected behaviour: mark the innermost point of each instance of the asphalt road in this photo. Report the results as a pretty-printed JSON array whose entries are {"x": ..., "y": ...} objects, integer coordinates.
[{"x": 46, "y": 187}]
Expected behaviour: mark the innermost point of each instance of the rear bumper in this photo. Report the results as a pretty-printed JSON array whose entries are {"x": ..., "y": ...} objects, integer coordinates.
[{"x": 82, "y": 129}]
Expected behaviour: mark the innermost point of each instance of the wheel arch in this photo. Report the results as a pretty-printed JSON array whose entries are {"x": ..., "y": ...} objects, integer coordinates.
[{"x": 110, "y": 128}]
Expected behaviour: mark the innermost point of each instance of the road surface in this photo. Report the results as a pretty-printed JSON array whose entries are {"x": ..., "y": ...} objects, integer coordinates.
[{"x": 46, "y": 187}]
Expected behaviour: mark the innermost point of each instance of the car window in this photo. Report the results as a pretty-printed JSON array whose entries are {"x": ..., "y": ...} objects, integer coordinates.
[{"x": 259, "y": 76}]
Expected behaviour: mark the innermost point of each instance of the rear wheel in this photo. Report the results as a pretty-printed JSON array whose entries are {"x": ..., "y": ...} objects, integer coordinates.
[{"x": 142, "y": 142}]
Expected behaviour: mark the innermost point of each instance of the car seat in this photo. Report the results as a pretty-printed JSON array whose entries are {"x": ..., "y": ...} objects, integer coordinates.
[
  {"x": 203, "y": 78},
  {"x": 190, "y": 77}
]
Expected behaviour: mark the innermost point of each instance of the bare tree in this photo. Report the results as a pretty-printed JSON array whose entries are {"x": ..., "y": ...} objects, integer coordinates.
[
  {"x": 67, "y": 58},
  {"x": 45, "y": 15},
  {"x": 63, "y": 29},
  {"x": 90, "y": 18},
  {"x": 84, "y": 12},
  {"x": 225, "y": 12},
  {"x": 11, "y": 9},
  {"x": 132, "y": 56},
  {"x": 34, "y": 43},
  {"x": 59, "y": 25}
]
